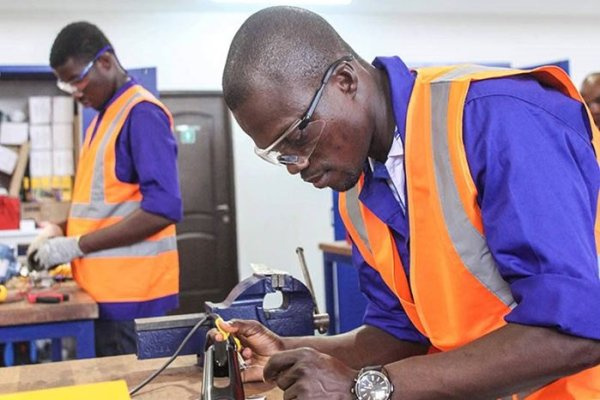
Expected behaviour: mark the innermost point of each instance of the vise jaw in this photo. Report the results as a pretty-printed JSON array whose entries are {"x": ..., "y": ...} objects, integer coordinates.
[{"x": 160, "y": 336}]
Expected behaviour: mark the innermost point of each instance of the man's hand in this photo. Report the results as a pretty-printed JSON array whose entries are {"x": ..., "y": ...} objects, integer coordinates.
[
  {"x": 48, "y": 231},
  {"x": 259, "y": 344},
  {"x": 306, "y": 374},
  {"x": 57, "y": 251}
]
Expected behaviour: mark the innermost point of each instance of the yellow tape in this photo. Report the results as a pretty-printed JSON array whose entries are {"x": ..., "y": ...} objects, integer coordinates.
[
  {"x": 116, "y": 390},
  {"x": 218, "y": 321},
  {"x": 3, "y": 293}
]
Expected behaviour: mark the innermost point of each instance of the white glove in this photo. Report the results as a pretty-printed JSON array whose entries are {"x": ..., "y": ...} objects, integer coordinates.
[
  {"x": 57, "y": 251},
  {"x": 49, "y": 230}
]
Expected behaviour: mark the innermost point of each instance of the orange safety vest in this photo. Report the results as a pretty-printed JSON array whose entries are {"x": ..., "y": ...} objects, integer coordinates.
[
  {"x": 456, "y": 294},
  {"x": 141, "y": 272}
]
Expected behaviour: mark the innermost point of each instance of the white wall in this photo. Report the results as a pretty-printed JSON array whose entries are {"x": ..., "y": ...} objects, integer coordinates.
[{"x": 277, "y": 212}]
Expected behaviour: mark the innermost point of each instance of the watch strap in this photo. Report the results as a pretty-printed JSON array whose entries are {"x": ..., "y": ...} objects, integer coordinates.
[{"x": 371, "y": 368}]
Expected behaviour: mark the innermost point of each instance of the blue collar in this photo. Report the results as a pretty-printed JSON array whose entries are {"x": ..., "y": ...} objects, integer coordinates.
[
  {"x": 376, "y": 195},
  {"x": 401, "y": 81},
  {"x": 129, "y": 83}
]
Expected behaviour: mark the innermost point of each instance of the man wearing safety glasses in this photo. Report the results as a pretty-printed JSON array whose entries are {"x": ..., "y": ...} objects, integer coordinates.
[
  {"x": 470, "y": 195},
  {"x": 120, "y": 234}
]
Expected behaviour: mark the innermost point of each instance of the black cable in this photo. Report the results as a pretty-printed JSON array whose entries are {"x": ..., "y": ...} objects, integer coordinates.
[{"x": 170, "y": 360}]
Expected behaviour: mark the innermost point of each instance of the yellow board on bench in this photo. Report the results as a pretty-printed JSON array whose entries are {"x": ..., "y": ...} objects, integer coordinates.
[{"x": 116, "y": 390}]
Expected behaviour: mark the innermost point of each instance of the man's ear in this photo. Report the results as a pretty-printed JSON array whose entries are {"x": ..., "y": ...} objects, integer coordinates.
[
  {"x": 345, "y": 78},
  {"x": 106, "y": 61}
]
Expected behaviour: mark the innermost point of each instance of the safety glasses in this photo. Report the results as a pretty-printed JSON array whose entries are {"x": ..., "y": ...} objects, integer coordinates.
[
  {"x": 75, "y": 85},
  {"x": 298, "y": 142}
]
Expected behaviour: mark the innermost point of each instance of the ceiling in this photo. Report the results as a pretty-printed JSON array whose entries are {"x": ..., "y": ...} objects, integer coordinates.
[{"x": 364, "y": 7}]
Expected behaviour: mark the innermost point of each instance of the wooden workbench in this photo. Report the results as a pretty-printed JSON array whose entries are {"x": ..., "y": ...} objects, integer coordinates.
[
  {"x": 182, "y": 380},
  {"x": 22, "y": 321},
  {"x": 79, "y": 306},
  {"x": 340, "y": 247}
]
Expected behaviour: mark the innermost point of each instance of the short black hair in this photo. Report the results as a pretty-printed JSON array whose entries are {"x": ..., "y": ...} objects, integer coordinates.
[
  {"x": 79, "y": 40},
  {"x": 279, "y": 45}
]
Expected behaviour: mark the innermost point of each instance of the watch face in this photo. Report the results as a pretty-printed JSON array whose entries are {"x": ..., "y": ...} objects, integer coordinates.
[{"x": 372, "y": 385}]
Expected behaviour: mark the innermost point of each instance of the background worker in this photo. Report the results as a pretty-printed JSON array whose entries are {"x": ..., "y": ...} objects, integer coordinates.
[
  {"x": 590, "y": 90},
  {"x": 120, "y": 234},
  {"x": 470, "y": 195}
]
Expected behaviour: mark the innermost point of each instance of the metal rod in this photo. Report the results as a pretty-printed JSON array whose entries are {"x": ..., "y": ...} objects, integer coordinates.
[{"x": 304, "y": 268}]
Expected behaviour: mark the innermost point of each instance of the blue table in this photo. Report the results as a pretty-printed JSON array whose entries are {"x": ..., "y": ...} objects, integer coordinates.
[
  {"x": 344, "y": 301},
  {"x": 22, "y": 321}
]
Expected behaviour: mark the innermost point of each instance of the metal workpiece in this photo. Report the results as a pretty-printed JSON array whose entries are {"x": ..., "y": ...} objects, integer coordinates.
[{"x": 221, "y": 361}]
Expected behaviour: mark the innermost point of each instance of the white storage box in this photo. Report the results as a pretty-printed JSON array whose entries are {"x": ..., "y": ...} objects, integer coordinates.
[
  {"x": 62, "y": 109},
  {"x": 62, "y": 136},
  {"x": 8, "y": 160},
  {"x": 40, "y": 110},
  {"x": 41, "y": 137},
  {"x": 40, "y": 163},
  {"x": 13, "y": 133},
  {"x": 62, "y": 163}
]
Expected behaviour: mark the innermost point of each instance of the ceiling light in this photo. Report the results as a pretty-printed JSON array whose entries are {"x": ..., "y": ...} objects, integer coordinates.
[{"x": 287, "y": 2}]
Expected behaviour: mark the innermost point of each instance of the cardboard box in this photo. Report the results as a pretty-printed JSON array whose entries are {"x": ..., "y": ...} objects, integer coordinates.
[
  {"x": 63, "y": 109},
  {"x": 62, "y": 163},
  {"x": 40, "y": 110},
  {"x": 62, "y": 136},
  {"x": 40, "y": 163},
  {"x": 8, "y": 160},
  {"x": 53, "y": 211},
  {"x": 41, "y": 137},
  {"x": 13, "y": 133}
]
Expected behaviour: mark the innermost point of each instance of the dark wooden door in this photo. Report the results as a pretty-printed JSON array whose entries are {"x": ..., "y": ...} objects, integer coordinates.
[{"x": 206, "y": 237}]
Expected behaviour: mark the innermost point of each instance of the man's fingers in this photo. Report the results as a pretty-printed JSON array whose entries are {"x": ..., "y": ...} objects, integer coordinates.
[
  {"x": 215, "y": 336},
  {"x": 288, "y": 377},
  {"x": 36, "y": 244},
  {"x": 244, "y": 327},
  {"x": 292, "y": 393},
  {"x": 284, "y": 360},
  {"x": 226, "y": 326},
  {"x": 247, "y": 352},
  {"x": 252, "y": 374}
]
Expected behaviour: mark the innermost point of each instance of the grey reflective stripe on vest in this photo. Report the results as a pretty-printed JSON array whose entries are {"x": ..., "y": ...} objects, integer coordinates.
[
  {"x": 97, "y": 207},
  {"x": 141, "y": 249},
  {"x": 469, "y": 243},
  {"x": 100, "y": 210},
  {"x": 98, "y": 177},
  {"x": 465, "y": 70},
  {"x": 353, "y": 208}
]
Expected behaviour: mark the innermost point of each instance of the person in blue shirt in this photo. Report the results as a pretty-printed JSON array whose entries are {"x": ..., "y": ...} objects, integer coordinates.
[
  {"x": 309, "y": 102},
  {"x": 145, "y": 177}
]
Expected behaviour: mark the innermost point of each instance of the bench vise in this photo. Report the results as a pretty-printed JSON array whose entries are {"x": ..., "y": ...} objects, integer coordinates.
[{"x": 297, "y": 316}]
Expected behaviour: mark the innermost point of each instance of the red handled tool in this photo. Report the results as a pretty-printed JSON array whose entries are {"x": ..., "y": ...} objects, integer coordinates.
[{"x": 47, "y": 297}]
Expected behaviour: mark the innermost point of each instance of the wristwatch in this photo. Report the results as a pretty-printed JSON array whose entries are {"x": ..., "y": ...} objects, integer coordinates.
[{"x": 372, "y": 383}]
